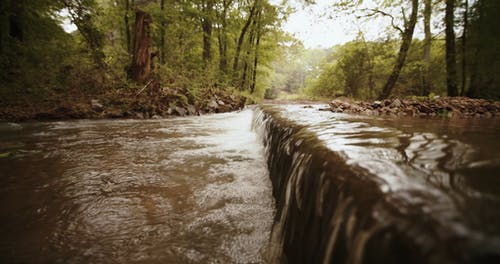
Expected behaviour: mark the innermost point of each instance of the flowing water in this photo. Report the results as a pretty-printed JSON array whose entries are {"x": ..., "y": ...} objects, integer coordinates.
[
  {"x": 322, "y": 188},
  {"x": 183, "y": 190},
  {"x": 384, "y": 190},
  {"x": 453, "y": 162}
]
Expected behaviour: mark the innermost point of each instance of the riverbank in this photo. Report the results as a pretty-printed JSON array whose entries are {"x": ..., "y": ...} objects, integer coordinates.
[
  {"x": 457, "y": 107},
  {"x": 144, "y": 103}
]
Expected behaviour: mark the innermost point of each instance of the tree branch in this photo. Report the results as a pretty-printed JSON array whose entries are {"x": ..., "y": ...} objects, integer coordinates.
[{"x": 380, "y": 12}]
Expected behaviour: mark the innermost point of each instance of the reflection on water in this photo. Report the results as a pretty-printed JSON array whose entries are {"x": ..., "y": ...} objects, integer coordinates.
[
  {"x": 164, "y": 191},
  {"x": 449, "y": 168}
]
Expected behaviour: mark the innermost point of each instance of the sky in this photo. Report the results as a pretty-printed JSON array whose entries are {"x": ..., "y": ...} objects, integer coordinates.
[{"x": 319, "y": 25}]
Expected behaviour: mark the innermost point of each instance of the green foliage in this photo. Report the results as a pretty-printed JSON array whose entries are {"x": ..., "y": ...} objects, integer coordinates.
[{"x": 359, "y": 69}]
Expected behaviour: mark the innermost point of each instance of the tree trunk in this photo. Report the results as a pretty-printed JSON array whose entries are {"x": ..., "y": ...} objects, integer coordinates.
[
  {"x": 427, "y": 83},
  {"x": 251, "y": 39},
  {"x": 256, "y": 57},
  {"x": 403, "y": 50},
  {"x": 464, "y": 49},
  {"x": 222, "y": 36},
  {"x": 206, "y": 25},
  {"x": 127, "y": 27},
  {"x": 162, "y": 33},
  {"x": 474, "y": 89},
  {"x": 141, "y": 62},
  {"x": 451, "y": 64},
  {"x": 240, "y": 40},
  {"x": 15, "y": 20},
  {"x": 222, "y": 52}
]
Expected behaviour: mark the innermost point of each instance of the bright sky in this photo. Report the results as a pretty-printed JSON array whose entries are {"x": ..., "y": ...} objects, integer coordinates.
[{"x": 319, "y": 25}]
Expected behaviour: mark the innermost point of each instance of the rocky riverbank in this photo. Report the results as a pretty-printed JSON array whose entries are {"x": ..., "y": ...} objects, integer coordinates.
[
  {"x": 461, "y": 107},
  {"x": 124, "y": 103}
]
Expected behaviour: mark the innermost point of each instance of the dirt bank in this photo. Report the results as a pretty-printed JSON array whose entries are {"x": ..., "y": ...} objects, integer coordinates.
[{"x": 122, "y": 103}]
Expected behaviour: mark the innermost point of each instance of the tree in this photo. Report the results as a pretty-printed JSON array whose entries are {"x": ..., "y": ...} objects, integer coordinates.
[
  {"x": 222, "y": 36},
  {"x": 427, "y": 82},
  {"x": 407, "y": 36},
  {"x": 128, "y": 35},
  {"x": 464, "y": 48},
  {"x": 241, "y": 38},
  {"x": 141, "y": 61},
  {"x": 206, "y": 25},
  {"x": 483, "y": 43},
  {"x": 162, "y": 33},
  {"x": 256, "y": 56},
  {"x": 83, "y": 14},
  {"x": 451, "y": 64}
]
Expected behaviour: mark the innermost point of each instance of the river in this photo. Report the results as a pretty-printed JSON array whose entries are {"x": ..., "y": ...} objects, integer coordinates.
[
  {"x": 288, "y": 184},
  {"x": 181, "y": 190}
]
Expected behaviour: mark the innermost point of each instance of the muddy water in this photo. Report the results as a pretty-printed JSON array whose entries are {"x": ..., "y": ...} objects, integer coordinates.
[
  {"x": 183, "y": 190},
  {"x": 364, "y": 189},
  {"x": 448, "y": 168}
]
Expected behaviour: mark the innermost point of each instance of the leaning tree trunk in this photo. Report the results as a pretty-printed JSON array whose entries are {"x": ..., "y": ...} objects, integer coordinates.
[
  {"x": 403, "y": 51},
  {"x": 240, "y": 41},
  {"x": 427, "y": 48},
  {"x": 451, "y": 64},
  {"x": 256, "y": 57},
  {"x": 141, "y": 62},
  {"x": 247, "y": 57}
]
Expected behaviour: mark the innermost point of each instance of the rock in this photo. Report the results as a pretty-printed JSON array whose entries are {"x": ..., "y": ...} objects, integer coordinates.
[
  {"x": 139, "y": 115},
  {"x": 376, "y": 104},
  {"x": 170, "y": 111},
  {"x": 191, "y": 109},
  {"x": 410, "y": 112},
  {"x": 213, "y": 104},
  {"x": 96, "y": 105},
  {"x": 424, "y": 109},
  {"x": 396, "y": 103},
  {"x": 307, "y": 106},
  {"x": 325, "y": 109},
  {"x": 156, "y": 117},
  {"x": 180, "y": 111},
  {"x": 220, "y": 102},
  {"x": 114, "y": 113}
]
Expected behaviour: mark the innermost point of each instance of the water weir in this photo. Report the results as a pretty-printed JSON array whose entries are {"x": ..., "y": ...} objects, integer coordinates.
[{"x": 332, "y": 211}]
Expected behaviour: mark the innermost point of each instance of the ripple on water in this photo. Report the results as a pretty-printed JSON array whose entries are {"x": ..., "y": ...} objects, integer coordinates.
[
  {"x": 166, "y": 191},
  {"x": 452, "y": 164}
]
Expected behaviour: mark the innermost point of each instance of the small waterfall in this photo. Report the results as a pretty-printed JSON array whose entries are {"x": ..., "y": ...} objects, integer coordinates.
[{"x": 329, "y": 211}]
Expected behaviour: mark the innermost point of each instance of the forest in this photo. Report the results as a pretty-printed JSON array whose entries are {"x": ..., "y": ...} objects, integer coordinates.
[
  {"x": 446, "y": 48},
  {"x": 156, "y": 57}
]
